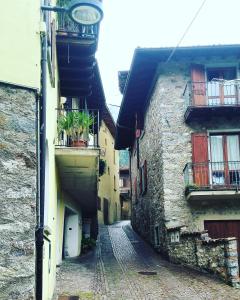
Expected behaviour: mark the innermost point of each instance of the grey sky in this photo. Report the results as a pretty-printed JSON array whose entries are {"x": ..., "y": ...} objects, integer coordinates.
[{"x": 128, "y": 24}]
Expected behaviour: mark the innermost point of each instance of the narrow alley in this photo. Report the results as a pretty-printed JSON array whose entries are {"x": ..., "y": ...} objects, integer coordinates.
[{"x": 124, "y": 267}]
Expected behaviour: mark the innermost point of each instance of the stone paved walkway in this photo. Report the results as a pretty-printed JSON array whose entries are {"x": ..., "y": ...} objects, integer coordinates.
[{"x": 111, "y": 273}]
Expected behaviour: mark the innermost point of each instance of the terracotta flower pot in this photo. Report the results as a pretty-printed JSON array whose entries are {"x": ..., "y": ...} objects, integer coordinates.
[{"x": 79, "y": 143}]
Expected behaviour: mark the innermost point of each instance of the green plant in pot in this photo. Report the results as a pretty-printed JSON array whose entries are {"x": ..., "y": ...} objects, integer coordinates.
[{"x": 77, "y": 125}]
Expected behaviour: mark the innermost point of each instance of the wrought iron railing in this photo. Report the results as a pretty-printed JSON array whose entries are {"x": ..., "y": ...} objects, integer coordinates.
[
  {"x": 212, "y": 175},
  {"x": 66, "y": 24},
  {"x": 212, "y": 93},
  {"x": 77, "y": 128}
]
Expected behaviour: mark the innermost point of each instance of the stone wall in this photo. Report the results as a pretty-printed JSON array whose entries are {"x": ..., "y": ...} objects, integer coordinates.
[
  {"x": 165, "y": 145},
  {"x": 197, "y": 250},
  {"x": 18, "y": 192}
]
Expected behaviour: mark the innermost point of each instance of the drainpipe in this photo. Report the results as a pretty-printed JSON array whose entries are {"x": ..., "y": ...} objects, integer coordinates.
[
  {"x": 41, "y": 170},
  {"x": 130, "y": 177}
]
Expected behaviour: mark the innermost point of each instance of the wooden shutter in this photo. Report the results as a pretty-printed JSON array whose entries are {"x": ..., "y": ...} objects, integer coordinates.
[
  {"x": 145, "y": 176},
  {"x": 198, "y": 85},
  {"x": 200, "y": 159},
  {"x": 138, "y": 133}
]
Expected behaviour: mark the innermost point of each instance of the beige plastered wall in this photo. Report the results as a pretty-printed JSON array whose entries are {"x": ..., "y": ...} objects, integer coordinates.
[
  {"x": 106, "y": 181},
  {"x": 20, "y": 51}
]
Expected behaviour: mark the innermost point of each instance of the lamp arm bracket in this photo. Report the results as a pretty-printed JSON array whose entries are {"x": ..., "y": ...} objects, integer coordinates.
[{"x": 54, "y": 8}]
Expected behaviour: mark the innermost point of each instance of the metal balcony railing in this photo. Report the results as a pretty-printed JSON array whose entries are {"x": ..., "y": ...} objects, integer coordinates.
[
  {"x": 212, "y": 93},
  {"x": 77, "y": 128},
  {"x": 66, "y": 24},
  {"x": 212, "y": 175}
]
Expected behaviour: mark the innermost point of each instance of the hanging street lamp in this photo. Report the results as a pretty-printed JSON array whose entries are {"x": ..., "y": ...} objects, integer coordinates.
[{"x": 83, "y": 12}]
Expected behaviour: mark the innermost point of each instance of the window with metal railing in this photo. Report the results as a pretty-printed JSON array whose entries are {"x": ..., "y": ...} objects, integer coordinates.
[
  {"x": 215, "y": 160},
  {"x": 212, "y": 87}
]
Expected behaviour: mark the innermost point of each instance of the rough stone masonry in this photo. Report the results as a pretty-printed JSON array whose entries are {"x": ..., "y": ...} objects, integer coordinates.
[
  {"x": 18, "y": 192},
  {"x": 166, "y": 145}
]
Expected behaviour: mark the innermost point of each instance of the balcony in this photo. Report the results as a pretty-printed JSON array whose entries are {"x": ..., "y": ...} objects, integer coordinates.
[
  {"x": 77, "y": 155},
  {"x": 212, "y": 180},
  {"x": 215, "y": 98},
  {"x": 76, "y": 48}
]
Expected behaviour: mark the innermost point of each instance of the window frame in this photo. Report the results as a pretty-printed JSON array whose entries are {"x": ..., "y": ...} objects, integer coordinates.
[{"x": 226, "y": 172}]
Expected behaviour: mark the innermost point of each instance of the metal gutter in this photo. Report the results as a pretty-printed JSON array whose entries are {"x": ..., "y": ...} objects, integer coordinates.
[{"x": 41, "y": 170}]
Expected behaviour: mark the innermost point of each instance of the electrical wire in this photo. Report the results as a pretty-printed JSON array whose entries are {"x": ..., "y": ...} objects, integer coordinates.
[
  {"x": 113, "y": 105},
  {"x": 186, "y": 31}
]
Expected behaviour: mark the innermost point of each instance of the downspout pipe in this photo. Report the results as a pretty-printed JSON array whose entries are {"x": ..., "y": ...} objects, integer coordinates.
[{"x": 42, "y": 146}]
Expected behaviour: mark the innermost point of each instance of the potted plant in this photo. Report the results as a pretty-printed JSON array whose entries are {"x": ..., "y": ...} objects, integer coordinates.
[
  {"x": 77, "y": 125},
  {"x": 191, "y": 187}
]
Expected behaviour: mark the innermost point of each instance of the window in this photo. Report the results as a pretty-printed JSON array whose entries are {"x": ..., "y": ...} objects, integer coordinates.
[
  {"x": 175, "y": 237},
  {"x": 225, "y": 159},
  {"x": 143, "y": 178},
  {"x": 121, "y": 182},
  {"x": 114, "y": 183},
  {"x": 99, "y": 203},
  {"x": 213, "y": 86},
  {"x": 135, "y": 190},
  {"x": 219, "y": 89},
  {"x": 216, "y": 160},
  {"x": 114, "y": 157}
]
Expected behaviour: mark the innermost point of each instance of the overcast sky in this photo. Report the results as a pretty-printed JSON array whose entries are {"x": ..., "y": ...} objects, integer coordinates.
[{"x": 128, "y": 24}]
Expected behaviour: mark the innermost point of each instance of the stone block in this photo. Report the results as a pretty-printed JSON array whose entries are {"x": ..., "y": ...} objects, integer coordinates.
[
  {"x": 233, "y": 272},
  {"x": 232, "y": 263}
]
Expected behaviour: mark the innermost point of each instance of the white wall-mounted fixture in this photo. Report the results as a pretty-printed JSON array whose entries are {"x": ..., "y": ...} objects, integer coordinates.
[{"x": 84, "y": 12}]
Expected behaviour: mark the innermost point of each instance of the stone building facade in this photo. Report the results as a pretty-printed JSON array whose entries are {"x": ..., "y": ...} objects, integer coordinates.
[
  {"x": 18, "y": 192},
  {"x": 160, "y": 120}
]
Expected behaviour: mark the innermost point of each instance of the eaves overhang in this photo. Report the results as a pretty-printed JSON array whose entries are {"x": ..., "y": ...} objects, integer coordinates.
[
  {"x": 142, "y": 76},
  {"x": 97, "y": 99},
  {"x": 78, "y": 69},
  {"x": 108, "y": 119}
]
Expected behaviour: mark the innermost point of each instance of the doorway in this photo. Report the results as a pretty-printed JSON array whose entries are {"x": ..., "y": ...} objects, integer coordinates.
[
  {"x": 105, "y": 211},
  {"x": 224, "y": 229},
  {"x": 72, "y": 234}
]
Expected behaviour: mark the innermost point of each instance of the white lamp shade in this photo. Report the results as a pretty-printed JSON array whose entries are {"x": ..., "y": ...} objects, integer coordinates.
[{"x": 88, "y": 12}]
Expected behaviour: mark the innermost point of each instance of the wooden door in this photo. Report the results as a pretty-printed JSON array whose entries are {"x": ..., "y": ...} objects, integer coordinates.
[{"x": 224, "y": 229}]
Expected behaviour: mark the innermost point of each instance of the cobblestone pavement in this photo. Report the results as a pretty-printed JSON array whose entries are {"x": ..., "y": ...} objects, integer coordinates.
[{"x": 111, "y": 272}]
